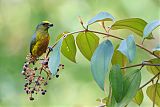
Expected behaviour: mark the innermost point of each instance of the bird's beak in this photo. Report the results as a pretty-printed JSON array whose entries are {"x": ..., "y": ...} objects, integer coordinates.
[{"x": 50, "y": 25}]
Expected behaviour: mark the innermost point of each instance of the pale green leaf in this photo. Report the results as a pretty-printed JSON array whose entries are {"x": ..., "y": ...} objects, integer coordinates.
[
  {"x": 100, "y": 17},
  {"x": 128, "y": 47},
  {"x": 100, "y": 62},
  {"x": 150, "y": 27},
  {"x": 54, "y": 59}
]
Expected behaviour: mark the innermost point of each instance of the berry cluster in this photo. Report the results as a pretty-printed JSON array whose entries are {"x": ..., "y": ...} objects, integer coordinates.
[{"x": 37, "y": 77}]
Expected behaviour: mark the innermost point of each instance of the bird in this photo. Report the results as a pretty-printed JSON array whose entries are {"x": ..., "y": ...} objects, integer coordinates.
[{"x": 40, "y": 39}]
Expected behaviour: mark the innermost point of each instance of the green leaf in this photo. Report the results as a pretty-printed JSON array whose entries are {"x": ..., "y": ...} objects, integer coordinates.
[
  {"x": 119, "y": 58},
  {"x": 54, "y": 59},
  {"x": 156, "y": 50},
  {"x": 101, "y": 17},
  {"x": 87, "y": 42},
  {"x": 151, "y": 92},
  {"x": 131, "y": 85},
  {"x": 116, "y": 81},
  {"x": 128, "y": 47},
  {"x": 100, "y": 62},
  {"x": 150, "y": 27},
  {"x": 139, "y": 97},
  {"x": 68, "y": 48},
  {"x": 154, "y": 69},
  {"x": 136, "y": 25}
]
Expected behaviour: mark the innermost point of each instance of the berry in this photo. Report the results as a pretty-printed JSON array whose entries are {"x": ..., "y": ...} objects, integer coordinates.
[
  {"x": 35, "y": 68},
  {"x": 57, "y": 76},
  {"x": 45, "y": 83},
  {"x": 26, "y": 84},
  {"x": 31, "y": 98},
  {"x": 32, "y": 91},
  {"x": 43, "y": 93}
]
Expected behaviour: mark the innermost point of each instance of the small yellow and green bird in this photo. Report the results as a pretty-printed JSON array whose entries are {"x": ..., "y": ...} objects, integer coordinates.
[{"x": 40, "y": 39}]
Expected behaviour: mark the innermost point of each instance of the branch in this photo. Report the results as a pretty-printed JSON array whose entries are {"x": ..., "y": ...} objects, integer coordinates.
[
  {"x": 65, "y": 35},
  {"x": 142, "y": 64},
  {"x": 150, "y": 80},
  {"x": 120, "y": 38}
]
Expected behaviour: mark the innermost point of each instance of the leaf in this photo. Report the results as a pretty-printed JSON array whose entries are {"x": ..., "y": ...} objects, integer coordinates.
[
  {"x": 100, "y": 62},
  {"x": 87, "y": 42},
  {"x": 156, "y": 50},
  {"x": 128, "y": 47},
  {"x": 54, "y": 59},
  {"x": 68, "y": 48},
  {"x": 150, "y": 92},
  {"x": 101, "y": 17},
  {"x": 136, "y": 25},
  {"x": 154, "y": 69},
  {"x": 116, "y": 81},
  {"x": 119, "y": 58},
  {"x": 139, "y": 97},
  {"x": 131, "y": 85},
  {"x": 150, "y": 27}
]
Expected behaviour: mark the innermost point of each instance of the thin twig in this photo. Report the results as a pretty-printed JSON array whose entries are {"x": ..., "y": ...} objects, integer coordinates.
[
  {"x": 149, "y": 81},
  {"x": 120, "y": 38},
  {"x": 142, "y": 64}
]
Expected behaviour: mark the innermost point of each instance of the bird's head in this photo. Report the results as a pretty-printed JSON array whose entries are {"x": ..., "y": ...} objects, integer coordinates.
[{"x": 44, "y": 25}]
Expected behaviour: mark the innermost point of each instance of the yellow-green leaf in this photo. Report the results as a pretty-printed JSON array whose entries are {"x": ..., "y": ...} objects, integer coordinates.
[
  {"x": 151, "y": 92},
  {"x": 154, "y": 69},
  {"x": 87, "y": 42},
  {"x": 136, "y": 25},
  {"x": 68, "y": 48},
  {"x": 119, "y": 58},
  {"x": 139, "y": 97},
  {"x": 156, "y": 50}
]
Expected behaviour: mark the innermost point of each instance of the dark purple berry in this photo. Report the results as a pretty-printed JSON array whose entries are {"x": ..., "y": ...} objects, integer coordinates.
[
  {"x": 43, "y": 93},
  {"x": 35, "y": 68},
  {"x": 26, "y": 84},
  {"x": 57, "y": 76},
  {"x": 32, "y": 91},
  {"x": 31, "y": 98}
]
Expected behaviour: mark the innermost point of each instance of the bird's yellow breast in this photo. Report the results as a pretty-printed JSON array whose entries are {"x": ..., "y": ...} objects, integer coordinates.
[{"x": 41, "y": 45}]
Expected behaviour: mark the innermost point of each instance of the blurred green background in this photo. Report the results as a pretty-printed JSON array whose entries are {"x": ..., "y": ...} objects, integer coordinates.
[{"x": 75, "y": 87}]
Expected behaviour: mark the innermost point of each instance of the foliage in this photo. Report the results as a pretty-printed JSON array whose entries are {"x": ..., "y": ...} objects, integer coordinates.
[{"x": 125, "y": 87}]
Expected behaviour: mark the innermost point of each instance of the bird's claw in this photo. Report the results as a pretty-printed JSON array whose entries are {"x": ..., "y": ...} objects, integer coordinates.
[{"x": 50, "y": 48}]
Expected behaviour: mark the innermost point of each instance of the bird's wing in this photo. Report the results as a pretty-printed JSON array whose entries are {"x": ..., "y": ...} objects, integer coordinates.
[{"x": 33, "y": 42}]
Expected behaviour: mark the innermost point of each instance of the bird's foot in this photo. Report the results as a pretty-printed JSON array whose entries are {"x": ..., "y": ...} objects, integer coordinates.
[{"x": 50, "y": 48}]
